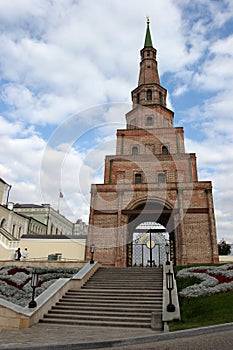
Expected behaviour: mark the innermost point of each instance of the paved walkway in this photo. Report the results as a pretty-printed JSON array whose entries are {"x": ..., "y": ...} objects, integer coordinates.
[
  {"x": 216, "y": 341},
  {"x": 47, "y": 337}
]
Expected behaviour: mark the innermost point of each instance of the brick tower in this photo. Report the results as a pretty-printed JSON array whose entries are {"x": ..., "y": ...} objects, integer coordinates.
[{"x": 151, "y": 189}]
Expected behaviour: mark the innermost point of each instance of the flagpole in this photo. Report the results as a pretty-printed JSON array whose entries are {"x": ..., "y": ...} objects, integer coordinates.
[
  {"x": 58, "y": 203},
  {"x": 59, "y": 200}
]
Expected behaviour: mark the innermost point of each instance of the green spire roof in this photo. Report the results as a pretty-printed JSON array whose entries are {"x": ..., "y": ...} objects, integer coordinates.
[{"x": 148, "y": 41}]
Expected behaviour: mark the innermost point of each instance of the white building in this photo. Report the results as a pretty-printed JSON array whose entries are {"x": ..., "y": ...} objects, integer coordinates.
[{"x": 32, "y": 219}]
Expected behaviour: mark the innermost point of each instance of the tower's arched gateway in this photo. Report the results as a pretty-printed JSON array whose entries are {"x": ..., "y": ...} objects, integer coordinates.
[
  {"x": 151, "y": 190},
  {"x": 148, "y": 234}
]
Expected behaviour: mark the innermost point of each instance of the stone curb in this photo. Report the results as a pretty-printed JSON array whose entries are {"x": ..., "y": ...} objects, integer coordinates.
[{"x": 124, "y": 342}]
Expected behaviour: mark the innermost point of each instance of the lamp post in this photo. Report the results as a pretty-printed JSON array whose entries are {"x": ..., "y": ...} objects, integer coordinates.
[
  {"x": 150, "y": 249},
  {"x": 92, "y": 253},
  {"x": 150, "y": 245},
  {"x": 170, "y": 286},
  {"x": 167, "y": 251},
  {"x": 34, "y": 283}
]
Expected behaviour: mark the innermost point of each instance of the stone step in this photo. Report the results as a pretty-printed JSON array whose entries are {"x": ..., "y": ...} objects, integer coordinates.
[
  {"x": 145, "y": 272},
  {"x": 129, "y": 293},
  {"x": 123, "y": 277},
  {"x": 118, "y": 287},
  {"x": 131, "y": 270},
  {"x": 112, "y": 304},
  {"x": 112, "y": 300},
  {"x": 98, "y": 323},
  {"x": 103, "y": 286},
  {"x": 98, "y": 313},
  {"x": 142, "y": 274},
  {"x": 130, "y": 275},
  {"x": 145, "y": 320},
  {"x": 126, "y": 277},
  {"x": 138, "y": 279},
  {"x": 130, "y": 281},
  {"x": 157, "y": 296},
  {"x": 126, "y": 282},
  {"x": 112, "y": 297},
  {"x": 117, "y": 281},
  {"x": 72, "y": 308}
]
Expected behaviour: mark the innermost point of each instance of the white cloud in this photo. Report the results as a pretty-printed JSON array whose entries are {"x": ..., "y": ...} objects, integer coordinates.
[
  {"x": 216, "y": 74},
  {"x": 20, "y": 161},
  {"x": 215, "y": 163},
  {"x": 87, "y": 59}
]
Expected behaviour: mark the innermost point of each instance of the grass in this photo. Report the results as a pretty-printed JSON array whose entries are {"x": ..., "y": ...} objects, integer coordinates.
[
  {"x": 202, "y": 311},
  {"x": 186, "y": 282}
]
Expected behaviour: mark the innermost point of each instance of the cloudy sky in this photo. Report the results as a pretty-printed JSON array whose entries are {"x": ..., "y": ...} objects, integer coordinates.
[{"x": 67, "y": 69}]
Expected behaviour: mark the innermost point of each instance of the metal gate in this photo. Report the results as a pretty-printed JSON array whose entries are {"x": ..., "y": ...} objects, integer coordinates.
[{"x": 147, "y": 249}]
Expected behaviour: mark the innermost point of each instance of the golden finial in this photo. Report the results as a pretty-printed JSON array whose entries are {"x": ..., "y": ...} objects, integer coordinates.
[{"x": 147, "y": 19}]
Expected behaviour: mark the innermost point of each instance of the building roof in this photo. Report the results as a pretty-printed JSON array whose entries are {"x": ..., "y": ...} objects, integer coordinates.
[
  {"x": 148, "y": 40},
  {"x": 18, "y": 205},
  {"x": 3, "y": 181},
  {"x": 31, "y": 236}
]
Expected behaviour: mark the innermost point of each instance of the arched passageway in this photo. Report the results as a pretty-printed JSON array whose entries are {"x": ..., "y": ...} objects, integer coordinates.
[{"x": 150, "y": 227}]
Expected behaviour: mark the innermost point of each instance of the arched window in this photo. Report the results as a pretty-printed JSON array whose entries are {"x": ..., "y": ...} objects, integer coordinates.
[
  {"x": 134, "y": 150},
  {"x": 138, "y": 98},
  {"x": 20, "y": 229},
  {"x": 165, "y": 150},
  {"x": 160, "y": 98},
  {"x": 138, "y": 178},
  {"x": 3, "y": 223},
  {"x": 149, "y": 120},
  {"x": 149, "y": 95},
  {"x": 161, "y": 178}
]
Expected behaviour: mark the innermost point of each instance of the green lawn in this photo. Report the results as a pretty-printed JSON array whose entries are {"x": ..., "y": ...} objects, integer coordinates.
[{"x": 203, "y": 311}]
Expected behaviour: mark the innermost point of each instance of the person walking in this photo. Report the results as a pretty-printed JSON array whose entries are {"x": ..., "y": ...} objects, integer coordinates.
[
  {"x": 18, "y": 254},
  {"x": 24, "y": 254}
]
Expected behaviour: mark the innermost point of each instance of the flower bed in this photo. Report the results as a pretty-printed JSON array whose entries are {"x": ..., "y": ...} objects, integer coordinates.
[
  {"x": 15, "y": 282},
  {"x": 213, "y": 280}
]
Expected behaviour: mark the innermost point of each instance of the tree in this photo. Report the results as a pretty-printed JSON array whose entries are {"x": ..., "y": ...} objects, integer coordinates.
[{"x": 224, "y": 248}]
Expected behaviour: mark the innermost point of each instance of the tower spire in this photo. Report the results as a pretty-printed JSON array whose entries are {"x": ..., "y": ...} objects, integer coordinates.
[
  {"x": 149, "y": 91},
  {"x": 148, "y": 40},
  {"x": 148, "y": 66}
]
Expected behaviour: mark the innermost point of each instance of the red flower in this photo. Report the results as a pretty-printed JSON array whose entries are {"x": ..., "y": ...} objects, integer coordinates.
[{"x": 222, "y": 279}]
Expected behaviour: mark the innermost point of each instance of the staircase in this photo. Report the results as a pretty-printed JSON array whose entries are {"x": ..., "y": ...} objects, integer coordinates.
[{"x": 116, "y": 297}]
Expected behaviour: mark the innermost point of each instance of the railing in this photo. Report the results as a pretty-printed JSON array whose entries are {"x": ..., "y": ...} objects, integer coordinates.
[
  {"x": 7, "y": 234},
  {"x": 7, "y": 242}
]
